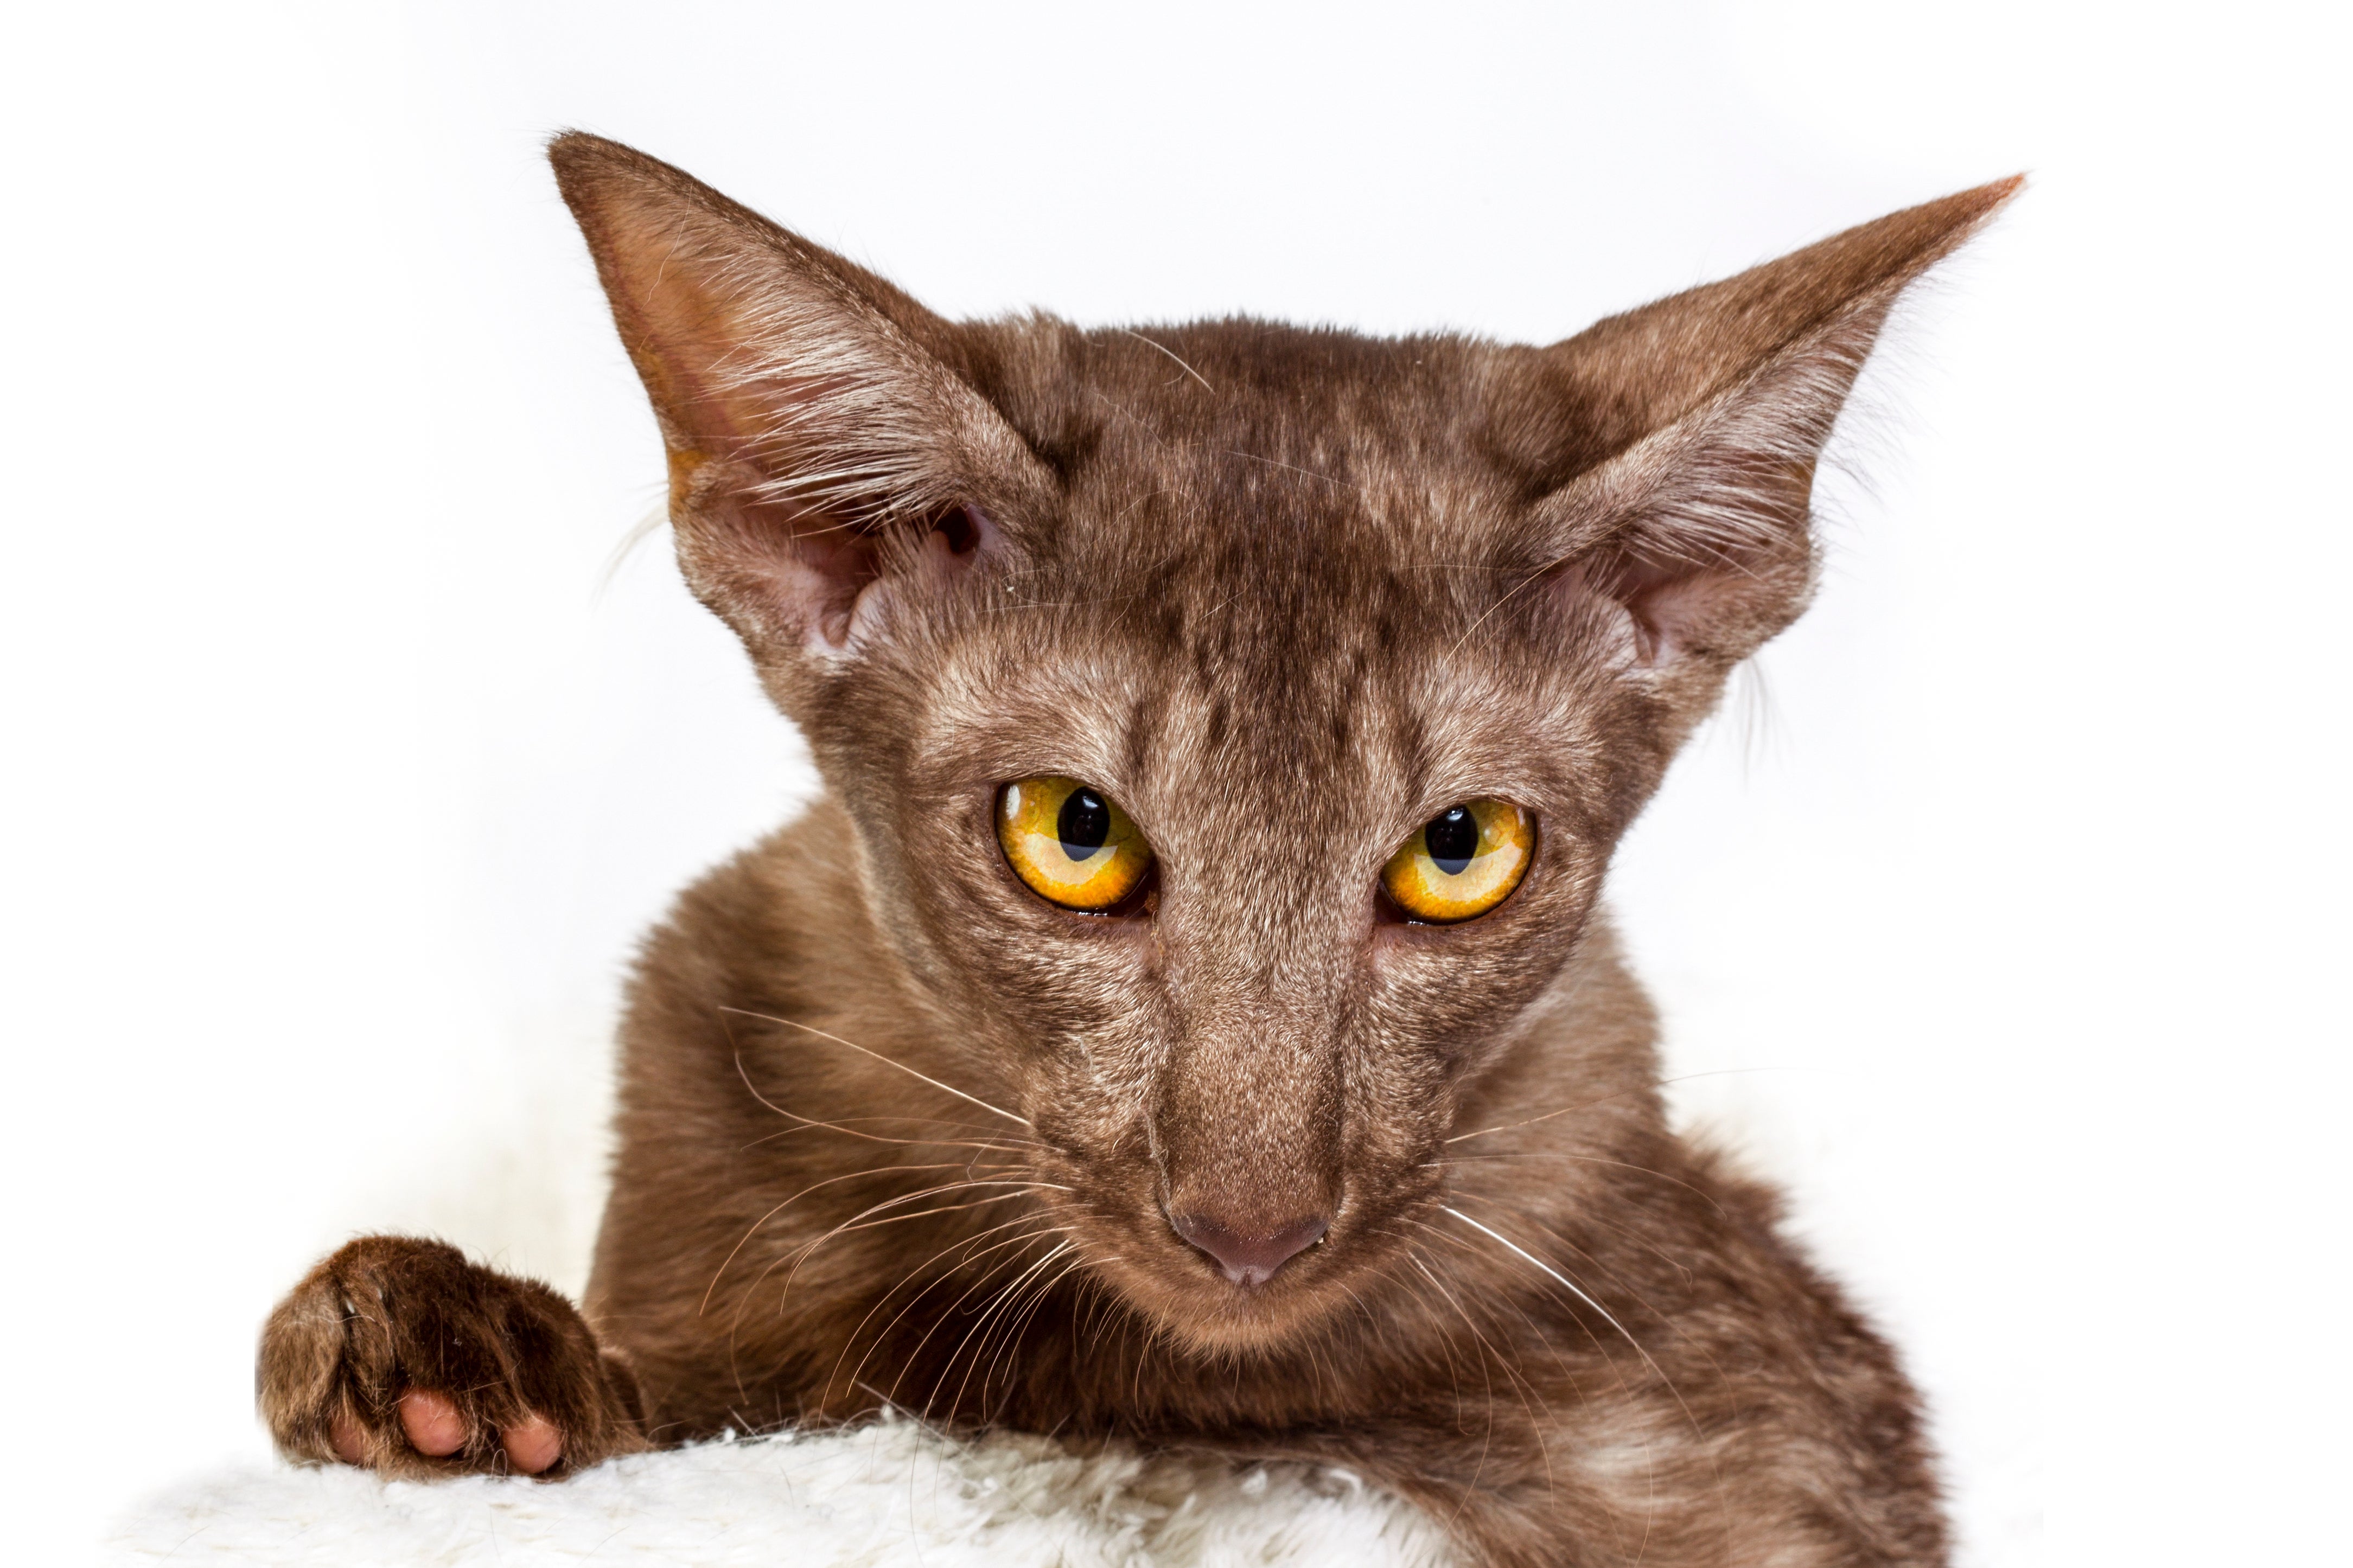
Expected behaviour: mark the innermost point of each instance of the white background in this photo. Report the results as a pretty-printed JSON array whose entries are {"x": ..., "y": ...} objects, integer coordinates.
[{"x": 340, "y": 777}]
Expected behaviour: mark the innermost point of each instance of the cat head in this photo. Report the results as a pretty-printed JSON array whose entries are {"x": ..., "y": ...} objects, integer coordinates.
[{"x": 1236, "y": 720}]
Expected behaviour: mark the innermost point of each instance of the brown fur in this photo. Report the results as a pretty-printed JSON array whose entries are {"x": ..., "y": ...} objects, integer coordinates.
[{"x": 896, "y": 1132}]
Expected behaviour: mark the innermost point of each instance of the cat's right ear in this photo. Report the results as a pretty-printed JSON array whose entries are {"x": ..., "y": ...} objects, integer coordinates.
[{"x": 826, "y": 462}]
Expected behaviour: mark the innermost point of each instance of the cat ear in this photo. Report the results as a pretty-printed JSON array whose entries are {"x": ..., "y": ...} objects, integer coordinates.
[
  {"x": 824, "y": 458},
  {"x": 1692, "y": 427}
]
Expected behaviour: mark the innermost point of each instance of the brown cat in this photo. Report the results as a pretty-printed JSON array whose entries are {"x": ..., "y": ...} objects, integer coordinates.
[{"x": 1187, "y": 1016}]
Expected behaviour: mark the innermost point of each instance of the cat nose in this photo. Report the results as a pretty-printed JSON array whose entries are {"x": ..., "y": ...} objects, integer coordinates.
[{"x": 1249, "y": 1257}]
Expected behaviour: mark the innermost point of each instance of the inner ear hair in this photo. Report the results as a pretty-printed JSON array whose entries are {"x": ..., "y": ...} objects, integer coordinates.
[
  {"x": 1702, "y": 532},
  {"x": 798, "y": 570},
  {"x": 818, "y": 439},
  {"x": 1692, "y": 429}
]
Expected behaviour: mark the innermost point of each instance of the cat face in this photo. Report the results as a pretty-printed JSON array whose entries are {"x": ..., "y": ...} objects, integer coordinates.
[
  {"x": 1175, "y": 680},
  {"x": 1275, "y": 674}
]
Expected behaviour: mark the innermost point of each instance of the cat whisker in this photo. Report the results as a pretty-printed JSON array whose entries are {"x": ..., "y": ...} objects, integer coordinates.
[
  {"x": 1672, "y": 1326},
  {"x": 1446, "y": 1340},
  {"x": 1067, "y": 604},
  {"x": 1701, "y": 1193},
  {"x": 1041, "y": 1224},
  {"x": 1021, "y": 1304},
  {"x": 806, "y": 1124},
  {"x": 805, "y": 1252},
  {"x": 849, "y": 1125},
  {"x": 908, "y": 1363},
  {"x": 1510, "y": 1374},
  {"x": 1604, "y": 1099},
  {"x": 925, "y": 1214},
  {"x": 1455, "y": 1304},
  {"x": 1617, "y": 1372},
  {"x": 800, "y": 1255},
  {"x": 1582, "y": 1295},
  {"x": 1000, "y": 1308},
  {"x": 1508, "y": 595},
  {"x": 1292, "y": 468},
  {"x": 969, "y": 1243},
  {"x": 1018, "y": 1323},
  {"x": 886, "y": 1062},
  {"x": 1716, "y": 1462},
  {"x": 1485, "y": 566},
  {"x": 1452, "y": 1370},
  {"x": 1666, "y": 1258},
  {"x": 1146, "y": 430},
  {"x": 1163, "y": 348},
  {"x": 1537, "y": 1335},
  {"x": 813, "y": 1187}
]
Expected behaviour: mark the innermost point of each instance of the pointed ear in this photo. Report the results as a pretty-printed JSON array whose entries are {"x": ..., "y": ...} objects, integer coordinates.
[
  {"x": 824, "y": 459},
  {"x": 1673, "y": 448}
]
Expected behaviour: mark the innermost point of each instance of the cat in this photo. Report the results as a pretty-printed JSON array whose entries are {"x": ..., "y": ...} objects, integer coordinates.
[{"x": 1187, "y": 1016}]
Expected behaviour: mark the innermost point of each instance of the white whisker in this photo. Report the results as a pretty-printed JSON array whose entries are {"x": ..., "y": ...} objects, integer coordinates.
[
  {"x": 886, "y": 1062},
  {"x": 1580, "y": 1293}
]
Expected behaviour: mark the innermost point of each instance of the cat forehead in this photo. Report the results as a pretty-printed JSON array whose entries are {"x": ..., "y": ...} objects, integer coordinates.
[
  {"x": 1254, "y": 434},
  {"x": 1264, "y": 590},
  {"x": 1240, "y": 483},
  {"x": 1269, "y": 537}
]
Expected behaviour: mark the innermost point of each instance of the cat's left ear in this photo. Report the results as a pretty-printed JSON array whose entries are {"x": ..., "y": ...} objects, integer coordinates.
[
  {"x": 1673, "y": 449},
  {"x": 827, "y": 463}
]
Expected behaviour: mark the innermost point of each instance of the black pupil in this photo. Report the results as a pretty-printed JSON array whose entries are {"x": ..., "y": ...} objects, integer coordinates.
[
  {"x": 1083, "y": 824},
  {"x": 1453, "y": 838}
]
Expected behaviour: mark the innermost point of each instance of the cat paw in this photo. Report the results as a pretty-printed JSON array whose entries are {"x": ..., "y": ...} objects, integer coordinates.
[{"x": 398, "y": 1355}]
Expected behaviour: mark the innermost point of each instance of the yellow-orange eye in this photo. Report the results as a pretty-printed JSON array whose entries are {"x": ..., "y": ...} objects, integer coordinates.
[
  {"x": 1462, "y": 862},
  {"x": 1072, "y": 847}
]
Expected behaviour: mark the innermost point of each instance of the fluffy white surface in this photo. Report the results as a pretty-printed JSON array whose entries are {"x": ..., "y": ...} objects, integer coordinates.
[{"x": 877, "y": 1496}]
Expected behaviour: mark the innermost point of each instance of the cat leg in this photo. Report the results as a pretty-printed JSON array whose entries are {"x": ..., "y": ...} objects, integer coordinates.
[{"x": 397, "y": 1354}]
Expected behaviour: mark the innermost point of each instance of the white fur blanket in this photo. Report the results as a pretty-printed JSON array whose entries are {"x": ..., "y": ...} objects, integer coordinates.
[{"x": 875, "y": 1497}]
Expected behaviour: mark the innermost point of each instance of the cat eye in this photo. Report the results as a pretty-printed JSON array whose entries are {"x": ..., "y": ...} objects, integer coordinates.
[
  {"x": 1462, "y": 862},
  {"x": 1070, "y": 843}
]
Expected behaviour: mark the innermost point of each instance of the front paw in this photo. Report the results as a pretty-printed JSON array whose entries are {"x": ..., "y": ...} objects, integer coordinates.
[{"x": 399, "y": 1355}]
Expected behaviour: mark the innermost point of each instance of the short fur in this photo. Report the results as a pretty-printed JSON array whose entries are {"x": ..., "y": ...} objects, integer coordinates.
[{"x": 896, "y": 1132}]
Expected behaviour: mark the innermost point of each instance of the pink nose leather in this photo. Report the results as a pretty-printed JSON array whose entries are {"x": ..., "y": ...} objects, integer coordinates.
[{"x": 1246, "y": 1258}]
